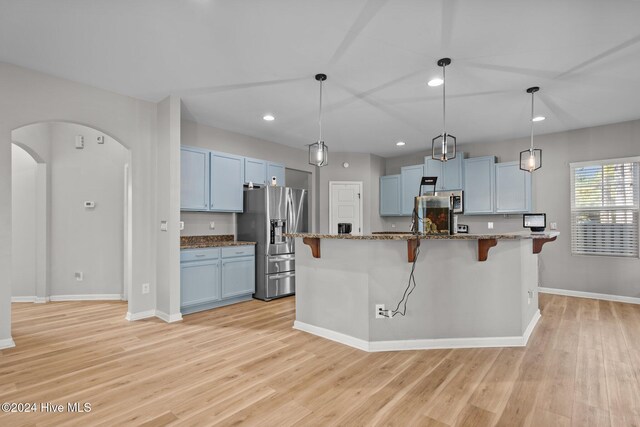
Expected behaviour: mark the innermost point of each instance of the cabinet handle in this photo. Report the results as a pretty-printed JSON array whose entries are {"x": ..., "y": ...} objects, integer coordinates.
[{"x": 200, "y": 255}]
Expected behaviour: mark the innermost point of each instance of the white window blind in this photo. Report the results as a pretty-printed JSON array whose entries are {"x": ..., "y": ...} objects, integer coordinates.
[{"x": 604, "y": 208}]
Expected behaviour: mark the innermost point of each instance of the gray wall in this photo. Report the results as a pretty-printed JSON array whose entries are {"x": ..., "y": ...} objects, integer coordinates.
[
  {"x": 30, "y": 97},
  {"x": 168, "y": 209},
  {"x": 551, "y": 194},
  {"x": 362, "y": 167},
  {"x": 79, "y": 239},
  {"x": 23, "y": 202}
]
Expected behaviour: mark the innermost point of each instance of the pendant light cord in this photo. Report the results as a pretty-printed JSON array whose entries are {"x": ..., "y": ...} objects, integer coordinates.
[
  {"x": 532, "y": 98},
  {"x": 320, "y": 113},
  {"x": 444, "y": 101}
]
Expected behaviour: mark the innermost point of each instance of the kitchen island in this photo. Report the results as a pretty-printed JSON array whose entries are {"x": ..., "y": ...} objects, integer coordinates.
[{"x": 463, "y": 296}]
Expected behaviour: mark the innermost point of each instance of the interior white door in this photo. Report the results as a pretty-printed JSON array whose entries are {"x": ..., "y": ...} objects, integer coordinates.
[{"x": 346, "y": 206}]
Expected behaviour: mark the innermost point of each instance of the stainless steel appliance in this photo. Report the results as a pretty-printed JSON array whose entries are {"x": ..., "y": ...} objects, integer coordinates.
[
  {"x": 269, "y": 213},
  {"x": 457, "y": 199}
]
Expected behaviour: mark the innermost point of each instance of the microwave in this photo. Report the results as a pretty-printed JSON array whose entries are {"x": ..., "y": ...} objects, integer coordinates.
[{"x": 457, "y": 199}]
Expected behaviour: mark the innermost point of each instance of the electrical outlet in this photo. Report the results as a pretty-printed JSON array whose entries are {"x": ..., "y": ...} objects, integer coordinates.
[
  {"x": 381, "y": 313},
  {"x": 79, "y": 276},
  {"x": 490, "y": 225},
  {"x": 554, "y": 225},
  {"x": 145, "y": 288},
  {"x": 393, "y": 226},
  {"x": 530, "y": 294},
  {"x": 212, "y": 225}
]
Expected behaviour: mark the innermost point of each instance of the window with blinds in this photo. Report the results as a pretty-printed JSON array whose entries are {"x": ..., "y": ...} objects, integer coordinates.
[{"x": 604, "y": 208}]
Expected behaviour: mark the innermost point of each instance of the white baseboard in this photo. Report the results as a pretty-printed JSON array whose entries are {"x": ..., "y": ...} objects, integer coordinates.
[
  {"x": 41, "y": 300},
  {"x": 7, "y": 343},
  {"x": 420, "y": 344},
  {"x": 168, "y": 318},
  {"x": 88, "y": 297},
  {"x": 23, "y": 299},
  {"x": 139, "y": 316},
  {"x": 332, "y": 335},
  {"x": 590, "y": 295}
]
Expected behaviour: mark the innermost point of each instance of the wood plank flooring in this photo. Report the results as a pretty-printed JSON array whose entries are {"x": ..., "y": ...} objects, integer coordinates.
[{"x": 245, "y": 365}]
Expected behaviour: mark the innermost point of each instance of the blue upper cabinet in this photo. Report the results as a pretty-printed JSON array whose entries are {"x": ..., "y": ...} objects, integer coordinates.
[
  {"x": 255, "y": 171},
  {"x": 410, "y": 177},
  {"x": 450, "y": 173},
  {"x": 227, "y": 177},
  {"x": 434, "y": 168},
  {"x": 513, "y": 188},
  {"x": 277, "y": 170},
  {"x": 453, "y": 173},
  {"x": 390, "y": 195},
  {"x": 194, "y": 179},
  {"x": 479, "y": 185}
]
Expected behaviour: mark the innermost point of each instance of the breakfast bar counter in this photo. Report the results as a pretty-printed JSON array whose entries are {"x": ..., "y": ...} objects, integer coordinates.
[{"x": 458, "y": 297}]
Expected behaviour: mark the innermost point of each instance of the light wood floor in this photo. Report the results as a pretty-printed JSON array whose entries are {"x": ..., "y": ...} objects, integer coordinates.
[{"x": 245, "y": 365}]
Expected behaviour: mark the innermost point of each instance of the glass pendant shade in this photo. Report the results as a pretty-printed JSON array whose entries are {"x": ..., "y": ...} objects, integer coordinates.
[
  {"x": 443, "y": 147},
  {"x": 318, "y": 154},
  {"x": 318, "y": 151},
  {"x": 531, "y": 160}
]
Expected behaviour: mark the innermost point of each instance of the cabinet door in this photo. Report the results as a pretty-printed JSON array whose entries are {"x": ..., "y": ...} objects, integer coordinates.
[
  {"x": 199, "y": 282},
  {"x": 255, "y": 171},
  {"x": 277, "y": 170},
  {"x": 453, "y": 173},
  {"x": 410, "y": 177},
  {"x": 513, "y": 188},
  {"x": 238, "y": 276},
  {"x": 194, "y": 179},
  {"x": 227, "y": 177},
  {"x": 479, "y": 185},
  {"x": 434, "y": 168},
  {"x": 390, "y": 195}
]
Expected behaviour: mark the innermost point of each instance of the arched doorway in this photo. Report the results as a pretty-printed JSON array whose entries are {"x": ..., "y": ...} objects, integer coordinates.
[{"x": 81, "y": 237}]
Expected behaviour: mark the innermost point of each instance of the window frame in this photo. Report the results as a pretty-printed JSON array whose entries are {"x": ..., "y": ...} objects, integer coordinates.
[{"x": 574, "y": 210}]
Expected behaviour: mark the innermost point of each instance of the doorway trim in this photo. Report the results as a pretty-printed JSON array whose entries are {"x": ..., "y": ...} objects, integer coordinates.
[{"x": 361, "y": 198}]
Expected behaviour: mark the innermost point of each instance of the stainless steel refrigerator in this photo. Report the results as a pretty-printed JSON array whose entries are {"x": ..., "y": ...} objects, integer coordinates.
[{"x": 269, "y": 212}]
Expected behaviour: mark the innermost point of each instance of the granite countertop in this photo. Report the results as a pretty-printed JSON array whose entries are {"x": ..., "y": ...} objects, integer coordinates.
[
  {"x": 409, "y": 236},
  {"x": 199, "y": 242}
]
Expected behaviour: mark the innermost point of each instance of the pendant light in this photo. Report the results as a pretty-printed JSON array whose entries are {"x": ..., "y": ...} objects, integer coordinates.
[
  {"x": 443, "y": 146},
  {"x": 531, "y": 159},
  {"x": 319, "y": 152}
]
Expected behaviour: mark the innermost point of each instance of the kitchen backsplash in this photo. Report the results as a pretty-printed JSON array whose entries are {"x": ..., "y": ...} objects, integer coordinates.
[{"x": 199, "y": 223}]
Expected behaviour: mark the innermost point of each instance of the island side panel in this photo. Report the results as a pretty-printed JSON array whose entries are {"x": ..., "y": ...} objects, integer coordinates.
[
  {"x": 332, "y": 292},
  {"x": 456, "y": 296},
  {"x": 530, "y": 281}
]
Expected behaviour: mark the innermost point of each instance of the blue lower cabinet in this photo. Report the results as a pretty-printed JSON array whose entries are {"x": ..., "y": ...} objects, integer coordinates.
[
  {"x": 238, "y": 276},
  {"x": 214, "y": 277}
]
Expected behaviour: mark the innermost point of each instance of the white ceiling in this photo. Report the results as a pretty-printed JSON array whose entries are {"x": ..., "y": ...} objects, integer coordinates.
[{"x": 233, "y": 61}]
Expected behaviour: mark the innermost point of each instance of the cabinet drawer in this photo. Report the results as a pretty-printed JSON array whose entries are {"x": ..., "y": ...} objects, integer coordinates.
[
  {"x": 199, "y": 254},
  {"x": 234, "y": 251}
]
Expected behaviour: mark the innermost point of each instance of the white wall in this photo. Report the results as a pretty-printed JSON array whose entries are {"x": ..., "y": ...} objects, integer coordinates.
[
  {"x": 551, "y": 194},
  {"x": 30, "y": 97},
  {"x": 23, "y": 205}
]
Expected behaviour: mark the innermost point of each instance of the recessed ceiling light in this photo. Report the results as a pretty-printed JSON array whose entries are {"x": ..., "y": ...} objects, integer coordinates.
[
  {"x": 400, "y": 143},
  {"x": 538, "y": 118},
  {"x": 268, "y": 118},
  {"x": 435, "y": 82}
]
